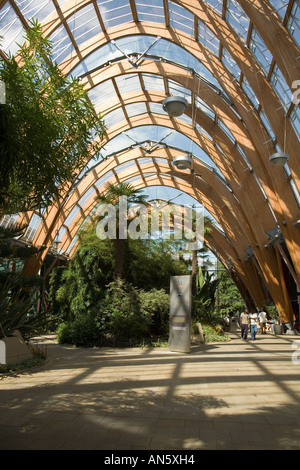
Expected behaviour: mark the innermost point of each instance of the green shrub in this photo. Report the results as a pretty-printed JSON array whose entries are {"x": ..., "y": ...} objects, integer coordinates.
[
  {"x": 82, "y": 332},
  {"x": 155, "y": 305},
  {"x": 120, "y": 312},
  {"x": 214, "y": 333}
]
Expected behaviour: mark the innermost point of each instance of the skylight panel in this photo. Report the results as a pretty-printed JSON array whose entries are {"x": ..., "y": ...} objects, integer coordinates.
[
  {"x": 115, "y": 12},
  {"x": 96, "y": 59},
  {"x": 86, "y": 196},
  {"x": 281, "y": 87},
  {"x": 153, "y": 82},
  {"x": 11, "y": 30},
  {"x": 156, "y": 108},
  {"x": 71, "y": 216},
  {"x": 207, "y": 38},
  {"x": 260, "y": 51},
  {"x": 266, "y": 124},
  {"x": 61, "y": 233},
  {"x": 62, "y": 44},
  {"x": 71, "y": 246},
  {"x": 280, "y": 6},
  {"x": 293, "y": 24},
  {"x": 128, "y": 83},
  {"x": 35, "y": 9},
  {"x": 153, "y": 12},
  {"x": 114, "y": 117},
  {"x": 135, "y": 109},
  {"x": 250, "y": 93},
  {"x": 181, "y": 18},
  {"x": 125, "y": 166},
  {"x": 84, "y": 24},
  {"x": 101, "y": 181},
  {"x": 32, "y": 227},
  {"x": 178, "y": 90},
  {"x": 226, "y": 130},
  {"x": 216, "y": 5},
  {"x": 204, "y": 108},
  {"x": 230, "y": 64},
  {"x": 237, "y": 18},
  {"x": 101, "y": 93},
  {"x": 295, "y": 120}
]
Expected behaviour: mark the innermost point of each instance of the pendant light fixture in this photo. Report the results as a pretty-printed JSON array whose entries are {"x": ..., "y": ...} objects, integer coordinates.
[
  {"x": 182, "y": 162},
  {"x": 175, "y": 105},
  {"x": 279, "y": 158}
]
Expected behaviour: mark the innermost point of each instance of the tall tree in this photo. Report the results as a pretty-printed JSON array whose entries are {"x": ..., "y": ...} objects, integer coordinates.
[
  {"x": 48, "y": 126},
  {"x": 112, "y": 196}
]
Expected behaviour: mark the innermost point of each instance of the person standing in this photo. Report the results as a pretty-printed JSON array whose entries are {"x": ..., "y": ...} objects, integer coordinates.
[
  {"x": 244, "y": 320},
  {"x": 263, "y": 321},
  {"x": 253, "y": 324}
]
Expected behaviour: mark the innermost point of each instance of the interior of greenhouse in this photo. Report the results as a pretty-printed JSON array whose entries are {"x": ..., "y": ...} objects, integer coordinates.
[
  {"x": 235, "y": 66},
  {"x": 117, "y": 117}
]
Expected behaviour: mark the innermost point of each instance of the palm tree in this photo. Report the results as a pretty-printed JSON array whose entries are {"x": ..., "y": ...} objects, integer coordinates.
[{"x": 112, "y": 196}]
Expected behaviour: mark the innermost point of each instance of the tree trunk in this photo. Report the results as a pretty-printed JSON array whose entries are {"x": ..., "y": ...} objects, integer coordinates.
[{"x": 119, "y": 257}]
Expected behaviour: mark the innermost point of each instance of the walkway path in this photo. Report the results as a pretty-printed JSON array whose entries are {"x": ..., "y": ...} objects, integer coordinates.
[{"x": 235, "y": 395}]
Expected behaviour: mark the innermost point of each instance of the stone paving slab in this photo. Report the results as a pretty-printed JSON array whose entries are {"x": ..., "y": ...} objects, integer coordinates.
[{"x": 235, "y": 395}]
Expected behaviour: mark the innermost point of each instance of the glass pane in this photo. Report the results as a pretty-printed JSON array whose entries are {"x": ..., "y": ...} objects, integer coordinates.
[
  {"x": 176, "y": 89},
  {"x": 216, "y": 5},
  {"x": 127, "y": 83},
  {"x": 204, "y": 107},
  {"x": 156, "y": 108},
  {"x": 136, "y": 108},
  {"x": 181, "y": 18},
  {"x": 230, "y": 64},
  {"x": 267, "y": 125},
  {"x": 280, "y": 6},
  {"x": 226, "y": 130},
  {"x": 207, "y": 38},
  {"x": 39, "y": 9},
  {"x": 86, "y": 196},
  {"x": 125, "y": 165},
  {"x": 62, "y": 44},
  {"x": 294, "y": 23},
  {"x": 103, "y": 92},
  {"x": 72, "y": 244},
  {"x": 153, "y": 82},
  {"x": 115, "y": 12},
  {"x": 151, "y": 12},
  {"x": 250, "y": 93},
  {"x": 71, "y": 216},
  {"x": 295, "y": 120},
  {"x": 84, "y": 24},
  {"x": 11, "y": 30},
  {"x": 138, "y": 44},
  {"x": 260, "y": 51},
  {"x": 281, "y": 88},
  {"x": 113, "y": 118},
  {"x": 237, "y": 18}
]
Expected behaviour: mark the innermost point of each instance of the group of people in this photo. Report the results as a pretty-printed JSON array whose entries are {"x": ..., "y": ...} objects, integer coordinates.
[{"x": 252, "y": 320}]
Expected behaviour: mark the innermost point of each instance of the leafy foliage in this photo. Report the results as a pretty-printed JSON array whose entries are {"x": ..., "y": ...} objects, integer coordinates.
[
  {"x": 204, "y": 303},
  {"x": 230, "y": 299},
  {"x": 47, "y": 127},
  {"x": 15, "y": 305}
]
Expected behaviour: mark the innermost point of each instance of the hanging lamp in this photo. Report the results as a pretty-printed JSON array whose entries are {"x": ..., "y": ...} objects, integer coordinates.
[
  {"x": 182, "y": 162},
  {"x": 279, "y": 158},
  {"x": 175, "y": 105}
]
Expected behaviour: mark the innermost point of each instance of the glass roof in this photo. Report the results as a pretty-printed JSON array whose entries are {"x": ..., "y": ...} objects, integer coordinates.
[{"x": 163, "y": 48}]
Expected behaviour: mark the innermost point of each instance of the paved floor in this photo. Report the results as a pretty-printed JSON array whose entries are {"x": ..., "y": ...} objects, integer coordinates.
[{"x": 235, "y": 395}]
